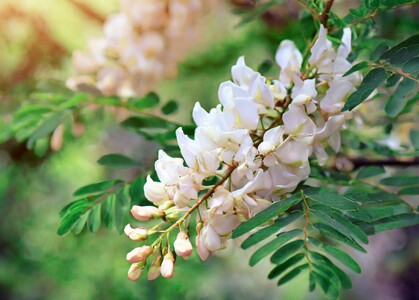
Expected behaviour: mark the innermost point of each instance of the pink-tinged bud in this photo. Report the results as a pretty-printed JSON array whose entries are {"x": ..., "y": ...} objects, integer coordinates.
[
  {"x": 183, "y": 246},
  {"x": 167, "y": 266},
  {"x": 203, "y": 252},
  {"x": 128, "y": 229},
  {"x": 154, "y": 270},
  {"x": 146, "y": 213},
  {"x": 135, "y": 271},
  {"x": 139, "y": 254}
]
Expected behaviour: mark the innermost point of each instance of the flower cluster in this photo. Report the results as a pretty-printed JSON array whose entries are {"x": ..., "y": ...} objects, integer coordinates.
[
  {"x": 140, "y": 46},
  {"x": 257, "y": 142}
]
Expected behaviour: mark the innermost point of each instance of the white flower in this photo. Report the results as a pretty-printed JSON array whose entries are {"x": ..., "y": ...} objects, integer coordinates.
[
  {"x": 289, "y": 59},
  {"x": 297, "y": 122}
]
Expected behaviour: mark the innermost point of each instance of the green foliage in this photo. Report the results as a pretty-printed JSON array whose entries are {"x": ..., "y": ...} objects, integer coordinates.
[
  {"x": 396, "y": 65},
  {"x": 117, "y": 161},
  {"x": 104, "y": 203},
  {"x": 327, "y": 220}
]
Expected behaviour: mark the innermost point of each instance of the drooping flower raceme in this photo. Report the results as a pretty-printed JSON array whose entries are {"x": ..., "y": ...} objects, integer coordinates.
[
  {"x": 140, "y": 46},
  {"x": 257, "y": 142}
]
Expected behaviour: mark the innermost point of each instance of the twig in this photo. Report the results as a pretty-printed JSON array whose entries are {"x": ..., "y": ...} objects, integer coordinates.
[
  {"x": 197, "y": 204},
  {"x": 396, "y": 162},
  {"x": 324, "y": 16},
  {"x": 394, "y": 70}
]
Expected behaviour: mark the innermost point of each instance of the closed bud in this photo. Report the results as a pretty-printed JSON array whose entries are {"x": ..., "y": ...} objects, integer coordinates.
[
  {"x": 135, "y": 271},
  {"x": 168, "y": 265},
  {"x": 139, "y": 254},
  {"x": 154, "y": 270},
  {"x": 136, "y": 234},
  {"x": 183, "y": 246},
  {"x": 146, "y": 213}
]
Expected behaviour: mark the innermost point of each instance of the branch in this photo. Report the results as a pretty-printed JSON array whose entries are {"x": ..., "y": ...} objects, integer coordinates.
[
  {"x": 394, "y": 70},
  {"x": 196, "y": 205},
  {"x": 395, "y": 162},
  {"x": 324, "y": 16}
]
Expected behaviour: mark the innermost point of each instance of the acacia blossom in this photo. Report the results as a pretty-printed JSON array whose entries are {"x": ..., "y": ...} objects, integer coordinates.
[
  {"x": 264, "y": 131},
  {"x": 140, "y": 46}
]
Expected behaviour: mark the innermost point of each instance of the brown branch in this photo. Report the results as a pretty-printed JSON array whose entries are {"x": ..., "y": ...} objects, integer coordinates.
[
  {"x": 324, "y": 16},
  {"x": 395, "y": 162},
  {"x": 88, "y": 11}
]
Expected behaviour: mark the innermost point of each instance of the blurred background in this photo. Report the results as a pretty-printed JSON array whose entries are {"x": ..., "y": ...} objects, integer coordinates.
[{"x": 36, "y": 42}]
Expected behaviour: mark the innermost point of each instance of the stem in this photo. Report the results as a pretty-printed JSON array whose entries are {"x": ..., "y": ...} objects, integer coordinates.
[
  {"x": 197, "y": 204},
  {"x": 306, "y": 216},
  {"x": 313, "y": 12},
  {"x": 324, "y": 16},
  {"x": 395, "y": 162},
  {"x": 394, "y": 70}
]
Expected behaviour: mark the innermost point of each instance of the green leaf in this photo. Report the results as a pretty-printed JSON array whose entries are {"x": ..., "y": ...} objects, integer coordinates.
[
  {"x": 292, "y": 274},
  {"x": 170, "y": 107},
  {"x": 412, "y": 190},
  {"x": 286, "y": 251},
  {"x": 374, "y": 79},
  {"x": 357, "y": 67},
  {"x": 73, "y": 205},
  {"x": 398, "y": 99},
  {"x": 47, "y": 127},
  {"x": 414, "y": 138},
  {"x": 334, "y": 234},
  {"x": 79, "y": 226},
  {"x": 400, "y": 180},
  {"x": 108, "y": 211},
  {"x": 386, "y": 210},
  {"x": 265, "y": 66},
  {"x": 370, "y": 171},
  {"x": 70, "y": 219},
  {"x": 354, "y": 229},
  {"x": 393, "y": 222},
  {"x": 266, "y": 215},
  {"x": 379, "y": 51},
  {"x": 122, "y": 208},
  {"x": 312, "y": 282},
  {"x": 96, "y": 187},
  {"x": 345, "y": 228},
  {"x": 269, "y": 230},
  {"x": 343, "y": 257},
  {"x": 146, "y": 102},
  {"x": 326, "y": 267},
  {"x": 139, "y": 122},
  {"x": 330, "y": 198},
  {"x": 281, "y": 268},
  {"x": 411, "y": 66},
  {"x": 94, "y": 219},
  {"x": 413, "y": 40},
  {"x": 273, "y": 245},
  {"x": 404, "y": 54},
  {"x": 136, "y": 191},
  {"x": 328, "y": 280},
  {"x": 117, "y": 161}
]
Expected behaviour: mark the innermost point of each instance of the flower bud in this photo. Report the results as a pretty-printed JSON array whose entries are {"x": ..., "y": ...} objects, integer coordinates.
[
  {"x": 135, "y": 271},
  {"x": 166, "y": 205},
  {"x": 167, "y": 267},
  {"x": 183, "y": 246},
  {"x": 154, "y": 270},
  {"x": 146, "y": 213},
  {"x": 136, "y": 234},
  {"x": 139, "y": 254},
  {"x": 203, "y": 252}
]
